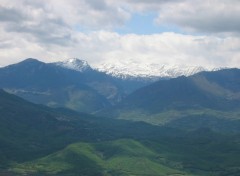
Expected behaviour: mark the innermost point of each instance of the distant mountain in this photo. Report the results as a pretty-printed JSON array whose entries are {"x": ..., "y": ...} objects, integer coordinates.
[
  {"x": 75, "y": 64},
  {"x": 207, "y": 94},
  {"x": 56, "y": 86},
  {"x": 148, "y": 71},
  {"x": 215, "y": 90},
  {"x": 76, "y": 85},
  {"x": 127, "y": 85},
  {"x": 134, "y": 75},
  {"x": 111, "y": 88},
  {"x": 71, "y": 83}
]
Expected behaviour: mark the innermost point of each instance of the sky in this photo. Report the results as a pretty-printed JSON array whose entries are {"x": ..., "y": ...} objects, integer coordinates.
[{"x": 176, "y": 32}]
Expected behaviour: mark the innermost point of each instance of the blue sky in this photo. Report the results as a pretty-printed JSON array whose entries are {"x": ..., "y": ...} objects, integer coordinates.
[
  {"x": 186, "y": 32},
  {"x": 144, "y": 24}
]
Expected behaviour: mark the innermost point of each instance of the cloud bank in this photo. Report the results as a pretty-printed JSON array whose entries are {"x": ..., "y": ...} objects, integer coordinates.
[{"x": 56, "y": 29}]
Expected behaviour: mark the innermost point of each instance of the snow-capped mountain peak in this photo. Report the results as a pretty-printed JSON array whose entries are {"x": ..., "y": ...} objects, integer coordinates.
[
  {"x": 74, "y": 64},
  {"x": 148, "y": 70}
]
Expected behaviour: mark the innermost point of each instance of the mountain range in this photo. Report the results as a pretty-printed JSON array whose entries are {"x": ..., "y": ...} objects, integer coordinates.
[
  {"x": 205, "y": 99},
  {"x": 55, "y": 86},
  {"x": 69, "y": 119},
  {"x": 136, "y": 70},
  {"x": 75, "y": 84}
]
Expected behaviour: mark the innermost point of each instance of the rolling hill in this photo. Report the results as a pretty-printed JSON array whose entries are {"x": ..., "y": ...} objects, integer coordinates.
[
  {"x": 193, "y": 155},
  {"x": 121, "y": 157}
]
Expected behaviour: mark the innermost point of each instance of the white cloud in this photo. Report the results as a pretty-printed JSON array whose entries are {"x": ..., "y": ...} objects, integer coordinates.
[
  {"x": 204, "y": 16},
  {"x": 57, "y": 29},
  {"x": 55, "y": 21},
  {"x": 165, "y": 48}
]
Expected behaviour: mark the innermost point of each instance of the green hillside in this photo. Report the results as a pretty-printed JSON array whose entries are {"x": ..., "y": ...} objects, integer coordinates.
[
  {"x": 34, "y": 140},
  {"x": 29, "y": 131},
  {"x": 201, "y": 153},
  {"x": 120, "y": 157}
]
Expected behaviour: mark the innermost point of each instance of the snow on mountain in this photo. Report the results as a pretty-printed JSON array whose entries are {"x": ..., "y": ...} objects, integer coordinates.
[
  {"x": 132, "y": 70},
  {"x": 129, "y": 69},
  {"x": 74, "y": 64}
]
